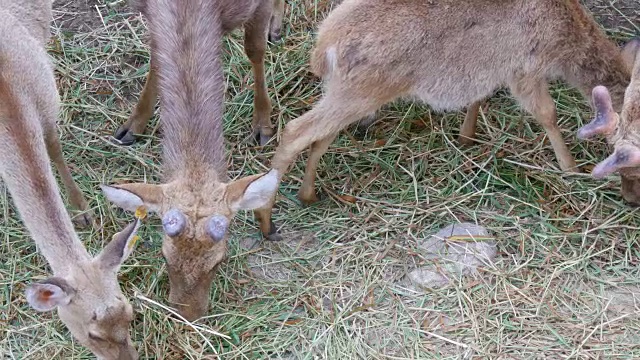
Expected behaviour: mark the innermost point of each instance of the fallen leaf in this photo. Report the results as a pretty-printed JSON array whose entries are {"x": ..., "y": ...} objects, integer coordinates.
[
  {"x": 380, "y": 143},
  {"x": 465, "y": 238},
  {"x": 588, "y": 168},
  {"x": 418, "y": 124},
  {"x": 348, "y": 198},
  {"x": 245, "y": 335},
  {"x": 361, "y": 308}
]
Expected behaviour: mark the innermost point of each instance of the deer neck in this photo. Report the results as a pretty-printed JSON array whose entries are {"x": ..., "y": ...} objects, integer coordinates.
[
  {"x": 26, "y": 171},
  {"x": 187, "y": 44}
]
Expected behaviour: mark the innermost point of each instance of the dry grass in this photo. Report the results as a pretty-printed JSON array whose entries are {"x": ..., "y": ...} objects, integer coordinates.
[{"x": 563, "y": 285}]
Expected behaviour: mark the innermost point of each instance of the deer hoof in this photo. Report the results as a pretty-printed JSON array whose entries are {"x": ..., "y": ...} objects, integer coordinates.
[
  {"x": 262, "y": 136},
  {"x": 275, "y": 36},
  {"x": 264, "y": 139},
  {"x": 124, "y": 136},
  {"x": 273, "y": 233},
  {"x": 465, "y": 141},
  {"x": 83, "y": 220},
  {"x": 308, "y": 199}
]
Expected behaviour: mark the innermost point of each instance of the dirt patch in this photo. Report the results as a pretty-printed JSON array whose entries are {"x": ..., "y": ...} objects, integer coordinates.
[
  {"x": 83, "y": 15},
  {"x": 456, "y": 250},
  {"x": 623, "y": 301},
  {"x": 278, "y": 261}
]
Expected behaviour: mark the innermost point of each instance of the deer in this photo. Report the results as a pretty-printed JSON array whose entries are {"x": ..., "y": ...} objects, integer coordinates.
[
  {"x": 195, "y": 201},
  {"x": 262, "y": 20},
  {"x": 38, "y": 27},
  {"x": 622, "y": 131},
  {"x": 84, "y": 289},
  {"x": 449, "y": 54}
]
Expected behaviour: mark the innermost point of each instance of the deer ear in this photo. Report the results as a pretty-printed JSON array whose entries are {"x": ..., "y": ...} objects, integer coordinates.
[
  {"x": 606, "y": 119},
  {"x": 630, "y": 52},
  {"x": 120, "y": 247},
  {"x": 49, "y": 294},
  {"x": 252, "y": 192},
  {"x": 131, "y": 196}
]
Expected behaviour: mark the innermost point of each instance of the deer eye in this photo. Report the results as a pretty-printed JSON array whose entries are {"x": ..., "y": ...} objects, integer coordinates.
[{"x": 95, "y": 337}]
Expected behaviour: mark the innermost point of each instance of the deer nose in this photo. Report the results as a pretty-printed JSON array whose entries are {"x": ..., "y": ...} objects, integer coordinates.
[{"x": 127, "y": 352}]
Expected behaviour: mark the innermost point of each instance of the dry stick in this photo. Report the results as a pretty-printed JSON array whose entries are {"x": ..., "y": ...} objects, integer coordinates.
[
  {"x": 192, "y": 325},
  {"x": 442, "y": 338}
]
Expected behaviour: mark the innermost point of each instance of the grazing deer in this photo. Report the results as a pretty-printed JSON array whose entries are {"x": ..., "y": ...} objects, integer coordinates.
[
  {"x": 622, "y": 131},
  {"x": 448, "y": 54},
  {"x": 261, "y": 19},
  {"x": 84, "y": 289},
  {"x": 195, "y": 202}
]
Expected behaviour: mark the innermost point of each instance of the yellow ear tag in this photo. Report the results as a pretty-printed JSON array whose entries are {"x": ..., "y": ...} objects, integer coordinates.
[
  {"x": 133, "y": 241},
  {"x": 141, "y": 212}
]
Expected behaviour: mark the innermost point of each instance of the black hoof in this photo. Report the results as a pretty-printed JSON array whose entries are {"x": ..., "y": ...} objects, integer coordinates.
[
  {"x": 83, "y": 220},
  {"x": 274, "y": 36},
  {"x": 361, "y": 132},
  {"x": 124, "y": 137},
  {"x": 273, "y": 233},
  {"x": 264, "y": 139},
  {"x": 364, "y": 125},
  {"x": 260, "y": 138}
]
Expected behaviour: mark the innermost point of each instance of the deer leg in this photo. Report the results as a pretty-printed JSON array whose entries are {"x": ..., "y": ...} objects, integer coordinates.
[
  {"x": 83, "y": 214},
  {"x": 325, "y": 120},
  {"x": 275, "y": 24},
  {"x": 535, "y": 98},
  {"x": 468, "y": 129},
  {"x": 267, "y": 226},
  {"x": 307, "y": 193},
  {"x": 255, "y": 44},
  {"x": 321, "y": 124},
  {"x": 137, "y": 122}
]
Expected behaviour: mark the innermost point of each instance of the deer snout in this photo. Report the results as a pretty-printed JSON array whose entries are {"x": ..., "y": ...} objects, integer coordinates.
[
  {"x": 189, "y": 306},
  {"x": 128, "y": 352},
  {"x": 189, "y": 292}
]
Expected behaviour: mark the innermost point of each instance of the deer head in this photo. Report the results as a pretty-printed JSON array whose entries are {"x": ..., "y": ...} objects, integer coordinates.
[
  {"x": 89, "y": 300},
  {"x": 621, "y": 130},
  {"x": 195, "y": 220}
]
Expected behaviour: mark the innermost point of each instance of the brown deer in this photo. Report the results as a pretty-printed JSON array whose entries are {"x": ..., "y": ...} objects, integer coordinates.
[
  {"x": 622, "y": 131},
  {"x": 195, "y": 202},
  {"x": 84, "y": 289},
  {"x": 260, "y": 18},
  {"x": 448, "y": 54}
]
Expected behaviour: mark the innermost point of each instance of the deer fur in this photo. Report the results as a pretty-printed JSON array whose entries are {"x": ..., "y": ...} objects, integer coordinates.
[
  {"x": 448, "y": 54},
  {"x": 37, "y": 27},
  {"x": 261, "y": 19},
  {"x": 622, "y": 130},
  {"x": 195, "y": 202},
  {"x": 84, "y": 289}
]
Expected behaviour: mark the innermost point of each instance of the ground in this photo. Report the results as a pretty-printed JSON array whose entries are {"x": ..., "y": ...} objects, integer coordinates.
[{"x": 565, "y": 283}]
